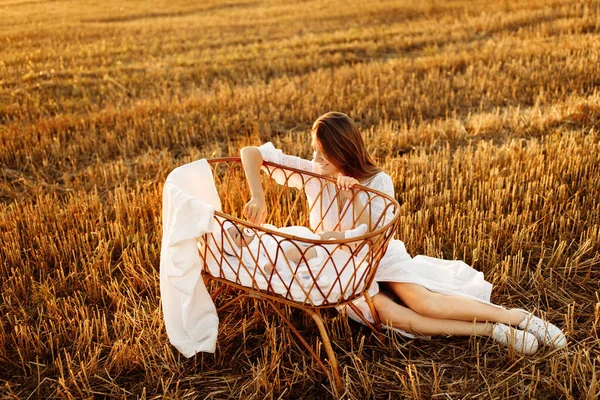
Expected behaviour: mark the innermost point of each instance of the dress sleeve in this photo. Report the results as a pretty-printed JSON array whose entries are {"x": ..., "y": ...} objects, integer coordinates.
[
  {"x": 271, "y": 154},
  {"x": 378, "y": 206}
]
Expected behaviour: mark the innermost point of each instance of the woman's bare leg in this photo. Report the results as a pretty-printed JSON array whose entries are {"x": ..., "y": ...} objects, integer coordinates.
[
  {"x": 393, "y": 314},
  {"x": 397, "y": 316},
  {"x": 436, "y": 305}
]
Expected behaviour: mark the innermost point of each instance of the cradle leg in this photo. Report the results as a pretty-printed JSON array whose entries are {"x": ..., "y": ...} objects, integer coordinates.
[
  {"x": 376, "y": 330},
  {"x": 230, "y": 302},
  {"x": 327, "y": 344},
  {"x": 218, "y": 291},
  {"x": 207, "y": 279},
  {"x": 299, "y": 336},
  {"x": 373, "y": 310}
]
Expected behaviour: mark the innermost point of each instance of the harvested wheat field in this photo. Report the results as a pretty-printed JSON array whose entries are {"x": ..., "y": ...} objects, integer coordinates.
[{"x": 486, "y": 114}]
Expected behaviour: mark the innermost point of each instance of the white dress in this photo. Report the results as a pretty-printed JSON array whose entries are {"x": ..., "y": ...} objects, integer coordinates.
[{"x": 451, "y": 277}]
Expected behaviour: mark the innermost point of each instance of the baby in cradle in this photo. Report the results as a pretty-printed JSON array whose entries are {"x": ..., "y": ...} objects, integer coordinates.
[{"x": 299, "y": 258}]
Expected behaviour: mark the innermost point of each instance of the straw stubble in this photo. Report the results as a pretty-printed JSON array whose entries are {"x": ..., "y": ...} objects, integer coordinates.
[{"x": 487, "y": 117}]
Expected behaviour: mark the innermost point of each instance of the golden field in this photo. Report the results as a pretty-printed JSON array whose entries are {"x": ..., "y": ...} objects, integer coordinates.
[{"x": 486, "y": 114}]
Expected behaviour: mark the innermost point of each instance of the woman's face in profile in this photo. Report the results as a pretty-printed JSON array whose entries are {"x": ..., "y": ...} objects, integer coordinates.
[{"x": 327, "y": 167}]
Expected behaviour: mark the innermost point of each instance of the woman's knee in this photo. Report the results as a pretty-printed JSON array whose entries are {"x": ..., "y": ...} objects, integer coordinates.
[
  {"x": 421, "y": 300},
  {"x": 430, "y": 305},
  {"x": 393, "y": 314}
]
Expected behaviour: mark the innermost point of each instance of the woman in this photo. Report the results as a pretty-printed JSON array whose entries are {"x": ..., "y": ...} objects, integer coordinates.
[{"x": 439, "y": 297}]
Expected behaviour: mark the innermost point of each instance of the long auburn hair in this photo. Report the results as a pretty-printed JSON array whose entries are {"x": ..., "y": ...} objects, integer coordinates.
[{"x": 342, "y": 144}]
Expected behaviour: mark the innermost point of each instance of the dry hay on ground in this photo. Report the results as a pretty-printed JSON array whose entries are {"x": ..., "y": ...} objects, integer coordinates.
[{"x": 486, "y": 116}]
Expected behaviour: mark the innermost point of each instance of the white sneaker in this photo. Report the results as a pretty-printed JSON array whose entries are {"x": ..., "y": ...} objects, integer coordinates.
[
  {"x": 547, "y": 333},
  {"x": 521, "y": 341}
]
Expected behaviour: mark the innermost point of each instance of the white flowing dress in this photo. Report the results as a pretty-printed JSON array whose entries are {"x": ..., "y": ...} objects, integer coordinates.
[{"x": 451, "y": 277}]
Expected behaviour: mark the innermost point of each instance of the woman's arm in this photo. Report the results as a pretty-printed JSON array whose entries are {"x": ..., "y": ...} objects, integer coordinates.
[
  {"x": 256, "y": 209},
  {"x": 361, "y": 213}
]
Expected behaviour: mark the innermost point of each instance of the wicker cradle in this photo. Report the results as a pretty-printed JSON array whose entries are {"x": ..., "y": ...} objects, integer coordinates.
[{"x": 348, "y": 267}]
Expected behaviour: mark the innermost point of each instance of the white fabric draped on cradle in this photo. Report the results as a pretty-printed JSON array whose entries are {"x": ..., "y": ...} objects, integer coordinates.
[{"x": 189, "y": 202}]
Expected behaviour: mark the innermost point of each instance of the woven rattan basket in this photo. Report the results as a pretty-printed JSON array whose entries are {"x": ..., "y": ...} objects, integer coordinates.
[{"x": 343, "y": 272}]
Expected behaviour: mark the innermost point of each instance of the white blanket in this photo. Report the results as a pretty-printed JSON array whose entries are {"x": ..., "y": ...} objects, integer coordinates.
[{"x": 189, "y": 201}]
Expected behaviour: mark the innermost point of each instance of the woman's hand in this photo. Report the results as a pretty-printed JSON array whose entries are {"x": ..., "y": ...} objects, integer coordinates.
[
  {"x": 256, "y": 210},
  {"x": 345, "y": 183}
]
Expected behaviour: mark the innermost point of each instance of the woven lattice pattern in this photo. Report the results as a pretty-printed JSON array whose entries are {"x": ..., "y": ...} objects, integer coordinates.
[{"x": 321, "y": 273}]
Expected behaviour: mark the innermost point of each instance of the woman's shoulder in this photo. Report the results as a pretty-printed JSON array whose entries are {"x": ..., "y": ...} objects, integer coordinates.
[
  {"x": 379, "y": 177},
  {"x": 269, "y": 151},
  {"x": 380, "y": 181}
]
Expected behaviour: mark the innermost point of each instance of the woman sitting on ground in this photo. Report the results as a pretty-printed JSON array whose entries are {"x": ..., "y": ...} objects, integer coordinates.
[{"x": 439, "y": 297}]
